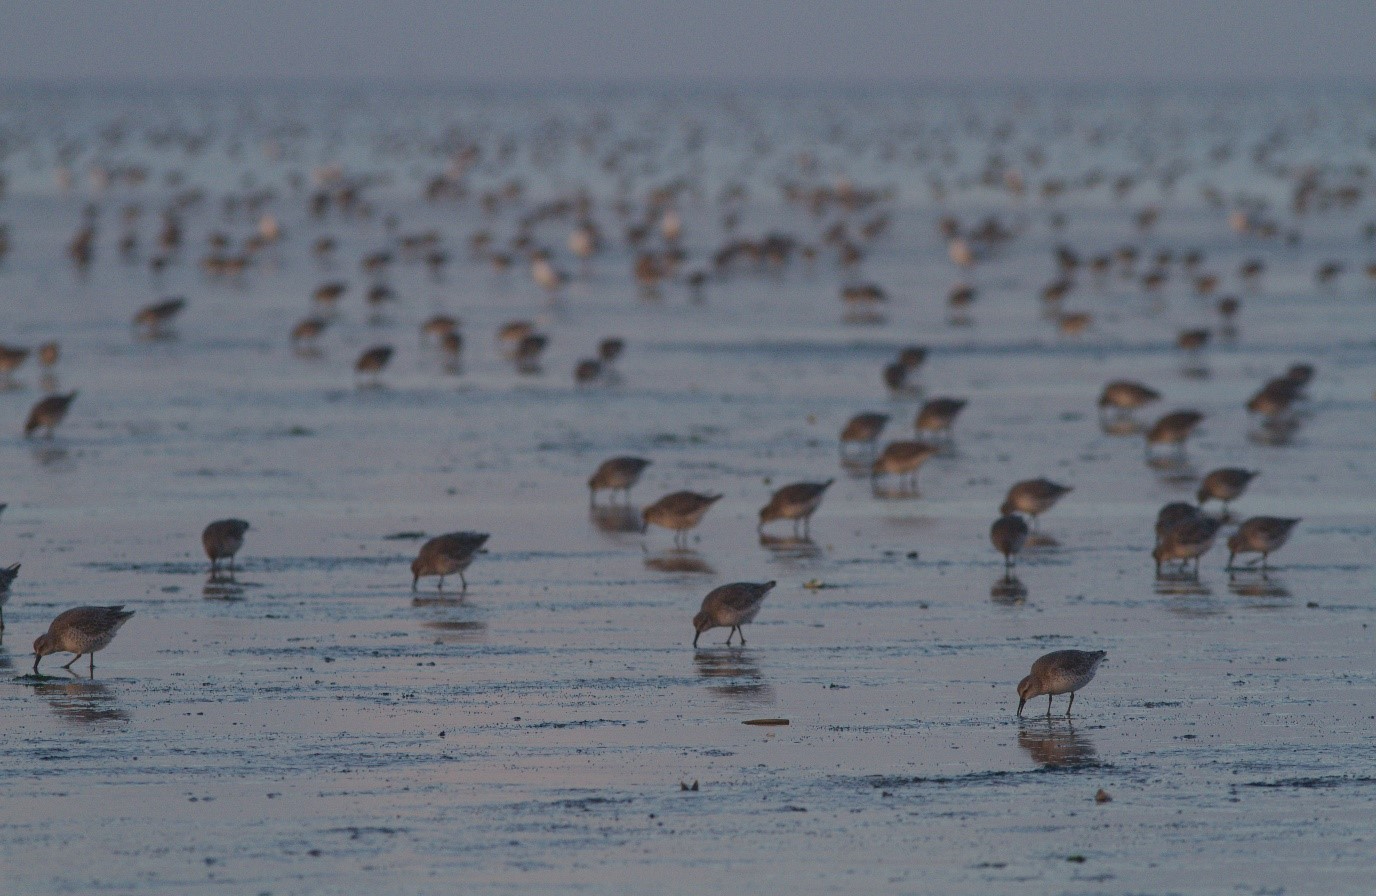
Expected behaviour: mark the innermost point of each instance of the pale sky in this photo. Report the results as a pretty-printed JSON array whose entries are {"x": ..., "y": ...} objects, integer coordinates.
[{"x": 525, "y": 42}]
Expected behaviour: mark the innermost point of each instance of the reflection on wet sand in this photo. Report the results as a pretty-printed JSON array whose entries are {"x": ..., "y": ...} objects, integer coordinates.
[
  {"x": 897, "y": 491},
  {"x": 1008, "y": 590},
  {"x": 85, "y": 702},
  {"x": 53, "y": 456},
  {"x": 1275, "y": 432},
  {"x": 738, "y": 672},
  {"x": 790, "y": 547},
  {"x": 1054, "y": 742},
  {"x": 616, "y": 518},
  {"x": 1257, "y": 584},
  {"x": 222, "y": 586},
  {"x": 1121, "y": 426},
  {"x": 456, "y": 631},
  {"x": 678, "y": 560}
]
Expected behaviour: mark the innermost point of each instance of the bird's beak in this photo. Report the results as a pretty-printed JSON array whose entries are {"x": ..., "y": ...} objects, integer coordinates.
[
  {"x": 696, "y": 635},
  {"x": 1021, "y": 703},
  {"x": 36, "y": 658}
]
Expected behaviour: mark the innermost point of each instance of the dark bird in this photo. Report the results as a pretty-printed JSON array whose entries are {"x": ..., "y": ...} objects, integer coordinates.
[
  {"x": 82, "y": 631},
  {"x": 730, "y": 606},
  {"x": 445, "y": 555},
  {"x": 1059, "y": 672},
  {"x": 1008, "y": 534},
  {"x": 796, "y": 502},
  {"x": 222, "y": 540},
  {"x": 48, "y": 413},
  {"x": 616, "y": 474}
]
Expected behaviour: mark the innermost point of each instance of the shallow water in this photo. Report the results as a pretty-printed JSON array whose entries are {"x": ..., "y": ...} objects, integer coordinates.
[{"x": 310, "y": 725}]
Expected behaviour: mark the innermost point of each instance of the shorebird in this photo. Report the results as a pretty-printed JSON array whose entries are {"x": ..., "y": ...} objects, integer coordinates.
[
  {"x": 82, "y": 631},
  {"x": 436, "y": 327},
  {"x": 1260, "y": 535},
  {"x": 616, "y": 474},
  {"x": 48, "y": 413},
  {"x": 1059, "y": 672},
  {"x": 445, "y": 555},
  {"x": 1008, "y": 534},
  {"x": 1225, "y": 484},
  {"x": 1126, "y": 395},
  {"x": 1172, "y": 515},
  {"x": 1034, "y": 497},
  {"x": 796, "y": 502},
  {"x": 156, "y": 318},
  {"x": 1185, "y": 541},
  {"x": 938, "y": 416},
  {"x": 679, "y": 511},
  {"x": 902, "y": 459},
  {"x": 730, "y": 606},
  {"x": 222, "y": 539},
  {"x": 11, "y": 357},
  {"x": 373, "y": 360},
  {"x": 1173, "y": 429},
  {"x": 863, "y": 429},
  {"x": 307, "y": 331},
  {"x": 7, "y": 577}
]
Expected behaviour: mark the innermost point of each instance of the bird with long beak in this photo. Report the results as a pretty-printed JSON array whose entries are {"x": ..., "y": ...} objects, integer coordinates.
[{"x": 1059, "y": 672}]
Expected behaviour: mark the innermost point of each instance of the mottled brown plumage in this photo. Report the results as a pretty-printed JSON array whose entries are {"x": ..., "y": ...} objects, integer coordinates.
[
  {"x": 1033, "y": 497},
  {"x": 796, "y": 502},
  {"x": 616, "y": 474},
  {"x": 902, "y": 459},
  {"x": 82, "y": 631},
  {"x": 445, "y": 555},
  {"x": 1260, "y": 535},
  {"x": 1187, "y": 540},
  {"x": 1059, "y": 672},
  {"x": 1225, "y": 484},
  {"x": 730, "y": 606},
  {"x": 1008, "y": 534},
  {"x": 679, "y": 511}
]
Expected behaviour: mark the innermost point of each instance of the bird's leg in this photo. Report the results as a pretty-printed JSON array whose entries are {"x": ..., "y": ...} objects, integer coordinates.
[
  {"x": 741, "y": 632},
  {"x": 1048, "y": 706},
  {"x": 464, "y": 581},
  {"x": 93, "y": 664},
  {"x": 68, "y": 667},
  {"x": 1072, "y": 703},
  {"x": 729, "y": 635},
  {"x": 440, "y": 586}
]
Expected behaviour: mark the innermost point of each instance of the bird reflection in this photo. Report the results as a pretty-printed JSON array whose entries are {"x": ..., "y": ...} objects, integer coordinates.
[
  {"x": 1008, "y": 590},
  {"x": 1275, "y": 432},
  {"x": 53, "y": 457},
  {"x": 1121, "y": 425},
  {"x": 456, "y": 631},
  {"x": 222, "y": 586},
  {"x": 1055, "y": 742},
  {"x": 614, "y": 518},
  {"x": 678, "y": 560},
  {"x": 1258, "y": 584},
  {"x": 734, "y": 674},
  {"x": 790, "y": 546},
  {"x": 84, "y": 702},
  {"x": 895, "y": 491}
]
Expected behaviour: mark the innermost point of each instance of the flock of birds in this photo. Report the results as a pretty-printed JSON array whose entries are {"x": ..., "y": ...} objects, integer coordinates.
[{"x": 853, "y": 220}]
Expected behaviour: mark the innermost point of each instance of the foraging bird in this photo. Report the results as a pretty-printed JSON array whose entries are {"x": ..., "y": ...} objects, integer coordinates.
[
  {"x": 445, "y": 555},
  {"x": 864, "y": 429},
  {"x": 730, "y": 606},
  {"x": 679, "y": 511},
  {"x": 1187, "y": 540},
  {"x": 82, "y": 631},
  {"x": 1225, "y": 484},
  {"x": 1173, "y": 429},
  {"x": 155, "y": 318},
  {"x": 1059, "y": 672},
  {"x": 1034, "y": 497},
  {"x": 794, "y": 502},
  {"x": 48, "y": 413},
  {"x": 616, "y": 474},
  {"x": 1172, "y": 515},
  {"x": 902, "y": 459},
  {"x": 1008, "y": 534},
  {"x": 939, "y": 415},
  {"x": 373, "y": 360},
  {"x": 222, "y": 539},
  {"x": 1126, "y": 395},
  {"x": 1260, "y": 535}
]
